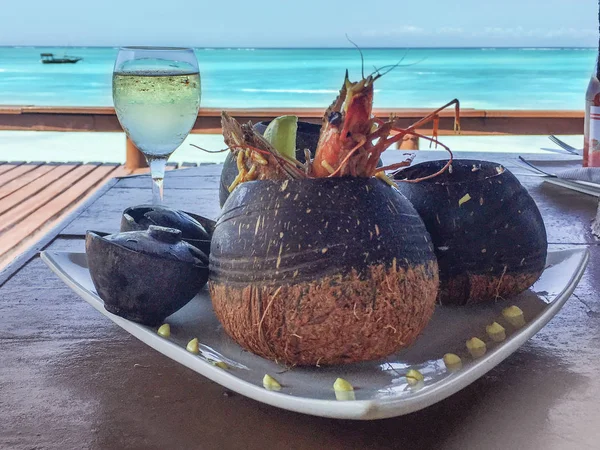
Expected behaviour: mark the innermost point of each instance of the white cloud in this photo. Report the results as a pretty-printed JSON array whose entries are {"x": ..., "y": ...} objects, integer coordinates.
[
  {"x": 450, "y": 30},
  {"x": 487, "y": 31},
  {"x": 536, "y": 32},
  {"x": 396, "y": 31}
]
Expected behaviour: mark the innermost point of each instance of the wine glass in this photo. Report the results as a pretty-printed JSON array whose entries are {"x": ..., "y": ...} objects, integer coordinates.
[{"x": 156, "y": 93}]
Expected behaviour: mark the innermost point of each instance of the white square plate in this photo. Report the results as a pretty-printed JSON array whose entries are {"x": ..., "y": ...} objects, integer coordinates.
[
  {"x": 580, "y": 186},
  {"x": 381, "y": 389}
]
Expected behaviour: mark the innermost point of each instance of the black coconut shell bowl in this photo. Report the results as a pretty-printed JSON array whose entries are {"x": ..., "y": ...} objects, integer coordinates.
[
  {"x": 322, "y": 271},
  {"x": 488, "y": 234},
  {"x": 195, "y": 230},
  {"x": 145, "y": 276},
  {"x": 307, "y": 137}
]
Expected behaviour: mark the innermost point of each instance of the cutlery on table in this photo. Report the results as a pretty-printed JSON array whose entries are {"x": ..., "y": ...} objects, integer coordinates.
[
  {"x": 565, "y": 146},
  {"x": 536, "y": 169},
  {"x": 581, "y": 174}
]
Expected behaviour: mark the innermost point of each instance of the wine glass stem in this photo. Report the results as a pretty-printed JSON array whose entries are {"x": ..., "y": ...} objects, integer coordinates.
[{"x": 157, "y": 169}]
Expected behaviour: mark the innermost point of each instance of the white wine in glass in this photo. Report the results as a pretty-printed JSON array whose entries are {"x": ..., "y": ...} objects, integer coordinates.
[{"x": 156, "y": 93}]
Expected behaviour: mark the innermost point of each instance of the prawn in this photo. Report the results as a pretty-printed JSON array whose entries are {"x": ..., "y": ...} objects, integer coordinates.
[
  {"x": 352, "y": 140},
  {"x": 256, "y": 158}
]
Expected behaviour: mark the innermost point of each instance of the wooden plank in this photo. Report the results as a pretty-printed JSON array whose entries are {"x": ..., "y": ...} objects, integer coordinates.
[
  {"x": 474, "y": 122},
  {"x": 8, "y": 167},
  {"x": 91, "y": 110},
  {"x": 39, "y": 217},
  {"x": 18, "y": 245},
  {"x": 106, "y": 214},
  {"x": 202, "y": 170},
  {"x": 134, "y": 158},
  {"x": 10, "y": 109},
  {"x": 24, "y": 180},
  {"x": 145, "y": 170},
  {"x": 201, "y": 182},
  {"x": 17, "y": 172},
  {"x": 32, "y": 189},
  {"x": 10, "y": 218},
  {"x": 306, "y": 112},
  {"x": 120, "y": 171},
  {"x": 11, "y": 269}
]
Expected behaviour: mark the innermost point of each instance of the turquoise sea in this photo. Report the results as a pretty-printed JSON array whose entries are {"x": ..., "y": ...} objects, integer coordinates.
[
  {"x": 500, "y": 78},
  {"x": 516, "y": 78}
]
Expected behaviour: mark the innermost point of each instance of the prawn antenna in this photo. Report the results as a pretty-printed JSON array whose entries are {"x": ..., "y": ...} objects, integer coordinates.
[
  {"x": 362, "y": 58},
  {"x": 391, "y": 67}
]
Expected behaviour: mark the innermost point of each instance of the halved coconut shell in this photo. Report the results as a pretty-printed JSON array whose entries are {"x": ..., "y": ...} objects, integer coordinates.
[
  {"x": 145, "y": 276},
  {"x": 322, "y": 271},
  {"x": 489, "y": 236},
  {"x": 195, "y": 230}
]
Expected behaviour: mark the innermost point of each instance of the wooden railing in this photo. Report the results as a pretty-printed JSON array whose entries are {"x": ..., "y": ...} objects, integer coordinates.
[{"x": 473, "y": 121}]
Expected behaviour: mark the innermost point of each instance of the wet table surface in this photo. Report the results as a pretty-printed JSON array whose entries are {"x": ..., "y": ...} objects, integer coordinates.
[{"x": 70, "y": 378}]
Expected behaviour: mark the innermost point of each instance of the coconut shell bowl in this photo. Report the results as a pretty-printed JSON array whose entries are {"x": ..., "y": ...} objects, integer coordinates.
[
  {"x": 195, "y": 230},
  {"x": 307, "y": 272},
  {"x": 147, "y": 275},
  {"x": 489, "y": 237}
]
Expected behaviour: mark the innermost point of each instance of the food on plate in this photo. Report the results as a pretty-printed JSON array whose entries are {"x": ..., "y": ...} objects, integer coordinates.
[
  {"x": 221, "y": 365},
  {"x": 452, "y": 362},
  {"x": 476, "y": 347},
  {"x": 342, "y": 385},
  {"x": 164, "y": 330},
  {"x": 193, "y": 347},
  {"x": 496, "y": 332},
  {"x": 514, "y": 315},
  {"x": 271, "y": 383},
  {"x": 414, "y": 377}
]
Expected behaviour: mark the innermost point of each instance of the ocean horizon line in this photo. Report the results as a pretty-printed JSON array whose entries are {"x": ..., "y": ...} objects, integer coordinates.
[{"x": 315, "y": 48}]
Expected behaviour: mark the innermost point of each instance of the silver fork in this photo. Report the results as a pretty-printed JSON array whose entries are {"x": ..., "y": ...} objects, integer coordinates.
[
  {"x": 564, "y": 145},
  {"x": 537, "y": 169}
]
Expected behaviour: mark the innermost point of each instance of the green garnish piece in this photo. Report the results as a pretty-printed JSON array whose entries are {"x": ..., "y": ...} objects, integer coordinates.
[{"x": 281, "y": 134}]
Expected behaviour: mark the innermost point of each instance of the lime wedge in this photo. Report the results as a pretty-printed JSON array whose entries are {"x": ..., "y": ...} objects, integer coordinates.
[{"x": 281, "y": 134}]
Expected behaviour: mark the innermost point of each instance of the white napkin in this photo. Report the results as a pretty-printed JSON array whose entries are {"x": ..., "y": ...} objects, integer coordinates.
[
  {"x": 588, "y": 174},
  {"x": 582, "y": 179}
]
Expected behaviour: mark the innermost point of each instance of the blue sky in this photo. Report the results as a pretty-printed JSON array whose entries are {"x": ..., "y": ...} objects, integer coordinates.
[{"x": 304, "y": 23}]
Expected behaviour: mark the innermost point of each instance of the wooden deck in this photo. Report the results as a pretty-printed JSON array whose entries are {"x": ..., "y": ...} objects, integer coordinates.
[
  {"x": 35, "y": 195},
  {"x": 473, "y": 121}
]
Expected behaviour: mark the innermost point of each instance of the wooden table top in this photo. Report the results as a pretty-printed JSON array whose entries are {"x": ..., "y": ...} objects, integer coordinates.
[
  {"x": 70, "y": 378},
  {"x": 33, "y": 195}
]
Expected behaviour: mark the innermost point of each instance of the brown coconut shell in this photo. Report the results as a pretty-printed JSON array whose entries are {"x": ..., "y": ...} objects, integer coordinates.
[
  {"x": 322, "y": 271},
  {"x": 489, "y": 236}
]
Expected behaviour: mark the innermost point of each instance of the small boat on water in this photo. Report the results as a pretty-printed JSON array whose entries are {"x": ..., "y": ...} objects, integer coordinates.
[{"x": 49, "y": 58}]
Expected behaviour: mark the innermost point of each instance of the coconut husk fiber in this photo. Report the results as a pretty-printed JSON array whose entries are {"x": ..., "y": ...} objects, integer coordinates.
[
  {"x": 333, "y": 320},
  {"x": 322, "y": 271}
]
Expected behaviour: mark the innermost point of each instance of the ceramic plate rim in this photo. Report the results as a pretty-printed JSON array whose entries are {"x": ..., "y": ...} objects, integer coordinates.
[
  {"x": 357, "y": 409},
  {"x": 575, "y": 185}
]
